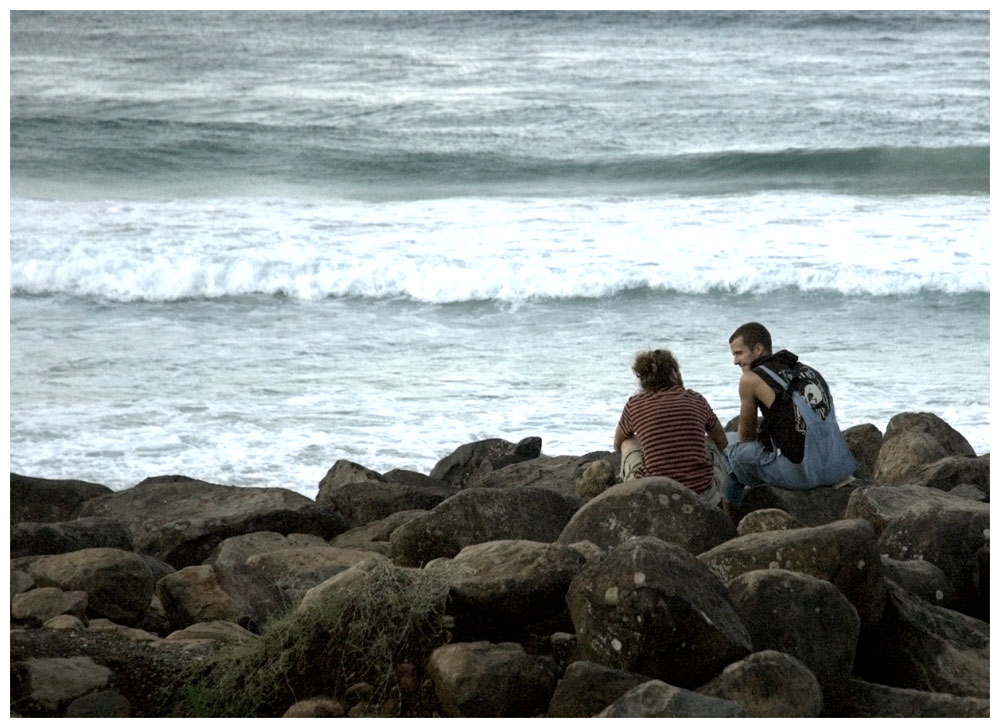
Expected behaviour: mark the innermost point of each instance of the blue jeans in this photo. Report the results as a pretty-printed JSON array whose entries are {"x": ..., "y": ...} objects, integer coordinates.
[{"x": 827, "y": 461}]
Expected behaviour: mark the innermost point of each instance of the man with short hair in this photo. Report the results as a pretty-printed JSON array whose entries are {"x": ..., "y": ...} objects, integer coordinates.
[{"x": 799, "y": 445}]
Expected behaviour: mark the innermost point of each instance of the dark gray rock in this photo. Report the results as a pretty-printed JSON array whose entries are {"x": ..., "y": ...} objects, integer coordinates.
[
  {"x": 27, "y": 539},
  {"x": 364, "y": 502},
  {"x": 562, "y": 473},
  {"x": 880, "y": 504},
  {"x": 41, "y": 500},
  {"x": 500, "y": 589},
  {"x": 860, "y": 699},
  {"x": 470, "y": 463},
  {"x": 375, "y": 532},
  {"x": 843, "y": 553},
  {"x": 864, "y": 442},
  {"x": 486, "y": 680},
  {"x": 802, "y": 616},
  {"x": 659, "y": 507},
  {"x": 921, "y": 579},
  {"x": 587, "y": 688},
  {"x": 650, "y": 607},
  {"x": 950, "y": 535},
  {"x": 767, "y": 519},
  {"x": 815, "y": 507},
  {"x": 118, "y": 583},
  {"x": 180, "y": 520},
  {"x": 477, "y": 515},
  {"x": 769, "y": 684},
  {"x": 657, "y": 699},
  {"x": 922, "y": 647}
]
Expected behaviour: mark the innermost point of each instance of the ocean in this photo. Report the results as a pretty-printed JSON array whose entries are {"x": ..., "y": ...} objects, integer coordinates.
[{"x": 245, "y": 245}]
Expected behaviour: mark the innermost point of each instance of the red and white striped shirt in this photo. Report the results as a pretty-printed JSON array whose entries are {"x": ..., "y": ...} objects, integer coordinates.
[{"x": 671, "y": 425}]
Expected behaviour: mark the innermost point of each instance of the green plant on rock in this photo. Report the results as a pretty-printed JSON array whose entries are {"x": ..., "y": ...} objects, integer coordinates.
[{"x": 385, "y": 616}]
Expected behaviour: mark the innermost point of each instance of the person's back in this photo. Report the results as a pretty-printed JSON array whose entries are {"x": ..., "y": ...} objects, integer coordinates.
[
  {"x": 670, "y": 425},
  {"x": 662, "y": 429}
]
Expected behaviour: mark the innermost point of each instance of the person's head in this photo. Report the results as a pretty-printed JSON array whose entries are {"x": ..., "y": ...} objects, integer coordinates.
[
  {"x": 657, "y": 369},
  {"x": 748, "y": 343}
]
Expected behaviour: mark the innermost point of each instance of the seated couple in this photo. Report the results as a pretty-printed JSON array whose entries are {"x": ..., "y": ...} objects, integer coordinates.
[{"x": 667, "y": 430}]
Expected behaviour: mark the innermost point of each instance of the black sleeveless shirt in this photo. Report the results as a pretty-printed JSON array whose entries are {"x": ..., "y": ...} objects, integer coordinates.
[{"x": 783, "y": 426}]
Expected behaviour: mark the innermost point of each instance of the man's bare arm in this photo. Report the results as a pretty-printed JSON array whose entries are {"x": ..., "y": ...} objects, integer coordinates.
[{"x": 748, "y": 406}]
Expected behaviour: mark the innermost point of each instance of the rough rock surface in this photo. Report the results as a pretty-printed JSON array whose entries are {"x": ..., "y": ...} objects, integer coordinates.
[
  {"x": 486, "y": 680},
  {"x": 950, "y": 535},
  {"x": 864, "y": 442},
  {"x": 29, "y": 539},
  {"x": 477, "y": 515},
  {"x": 657, "y": 699},
  {"x": 650, "y": 607},
  {"x": 802, "y": 616},
  {"x": 659, "y": 507},
  {"x": 843, "y": 552},
  {"x": 587, "y": 688},
  {"x": 769, "y": 684},
  {"x": 502, "y": 588},
  {"x": 181, "y": 520},
  {"x": 42, "y": 500},
  {"x": 922, "y": 647},
  {"x": 470, "y": 463},
  {"x": 118, "y": 583}
]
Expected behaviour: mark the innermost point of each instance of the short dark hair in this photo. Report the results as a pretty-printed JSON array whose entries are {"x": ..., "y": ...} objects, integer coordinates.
[
  {"x": 752, "y": 334},
  {"x": 657, "y": 369}
]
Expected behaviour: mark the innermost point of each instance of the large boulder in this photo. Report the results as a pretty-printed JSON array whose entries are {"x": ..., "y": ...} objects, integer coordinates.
[
  {"x": 769, "y": 684},
  {"x": 364, "y": 502},
  {"x": 587, "y": 688},
  {"x": 562, "y": 473},
  {"x": 922, "y": 579},
  {"x": 470, "y": 463},
  {"x": 293, "y": 571},
  {"x": 815, "y": 507},
  {"x": 657, "y": 699},
  {"x": 951, "y": 536},
  {"x": 860, "y": 699},
  {"x": 843, "y": 553},
  {"x": 44, "y": 686},
  {"x": 118, "y": 583},
  {"x": 193, "y": 595},
  {"x": 880, "y": 504},
  {"x": 914, "y": 440},
  {"x": 266, "y": 572},
  {"x": 956, "y": 470},
  {"x": 659, "y": 507},
  {"x": 923, "y": 647},
  {"x": 344, "y": 472},
  {"x": 41, "y": 500},
  {"x": 650, "y": 607},
  {"x": 181, "y": 520},
  {"x": 37, "y": 606},
  {"x": 767, "y": 519},
  {"x": 802, "y": 616},
  {"x": 374, "y": 535},
  {"x": 486, "y": 680},
  {"x": 477, "y": 515},
  {"x": 28, "y": 539},
  {"x": 864, "y": 442},
  {"x": 500, "y": 589},
  {"x": 953, "y": 442}
]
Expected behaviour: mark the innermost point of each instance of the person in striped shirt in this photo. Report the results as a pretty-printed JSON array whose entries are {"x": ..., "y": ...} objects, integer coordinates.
[{"x": 669, "y": 431}]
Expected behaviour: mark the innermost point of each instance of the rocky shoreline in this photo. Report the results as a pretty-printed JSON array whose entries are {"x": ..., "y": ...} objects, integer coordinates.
[{"x": 509, "y": 583}]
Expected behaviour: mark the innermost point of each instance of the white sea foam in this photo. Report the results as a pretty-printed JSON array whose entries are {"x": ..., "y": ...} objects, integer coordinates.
[{"x": 474, "y": 250}]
